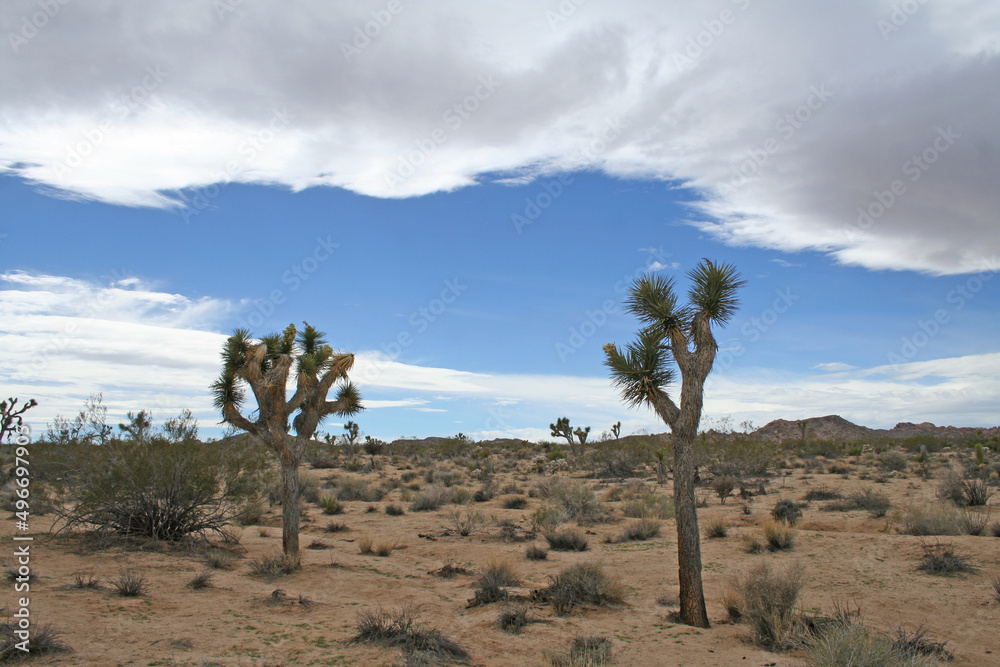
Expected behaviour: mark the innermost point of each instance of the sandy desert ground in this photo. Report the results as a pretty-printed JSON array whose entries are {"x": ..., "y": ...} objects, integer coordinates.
[{"x": 848, "y": 558}]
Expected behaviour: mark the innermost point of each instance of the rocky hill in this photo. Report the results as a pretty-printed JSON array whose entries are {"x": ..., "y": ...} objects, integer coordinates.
[{"x": 835, "y": 427}]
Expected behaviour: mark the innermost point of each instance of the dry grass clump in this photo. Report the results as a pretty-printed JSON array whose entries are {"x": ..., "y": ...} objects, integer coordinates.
[
  {"x": 637, "y": 531},
  {"x": 876, "y": 503},
  {"x": 200, "y": 581},
  {"x": 384, "y": 548},
  {"x": 822, "y": 493},
  {"x": 942, "y": 559},
  {"x": 973, "y": 522},
  {"x": 778, "y": 535},
  {"x": 581, "y": 584},
  {"x": 535, "y": 552},
  {"x": 402, "y": 630},
  {"x": 847, "y": 641},
  {"x": 651, "y": 504},
  {"x": 130, "y": 583},
  {"x": 585, "y": 651},
  {"x": 764, "y": 598},
  {"x": 467, "y": 522},
  {"x": 514, "y": 503},
  {"x": 574, "y": 500},
  {"x": 44, "y": 639},
  {"x": 716, "y": 528},
  {"x": 335, "y": 527},
  {"x": 931, "y": 519},
  {"x": 431, "y": 499},
  {"x": 394, "y": 509},
  {"x": 493, "y": 582},
  {"x": 270, "y": 566},
  {"x": 83, "y": 580},
  {"x": 353, "y": 488},
  {"x": 513, "y": 618},
  {"x": 566, "y": 540},
  {"x": 995, "y": 584},
  {"x": 330, "y": 505}
]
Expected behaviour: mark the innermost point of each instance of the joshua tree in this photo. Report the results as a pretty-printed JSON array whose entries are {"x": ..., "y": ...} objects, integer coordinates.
[
  {"x": 351, "y": 434},
  {"x": 616, "y": 429},
  {"x": 581, "y": 434},
  {"x": 265, "y": 366},
  {"x": 673, "y": 333},
  {"x": 562, "y": 429},
  {"x": 11, "y": 416},
  {"x": 139, "y": 425}
]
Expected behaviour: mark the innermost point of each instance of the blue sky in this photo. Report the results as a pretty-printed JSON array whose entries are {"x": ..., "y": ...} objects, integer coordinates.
[{"x": 462, "y": 202}]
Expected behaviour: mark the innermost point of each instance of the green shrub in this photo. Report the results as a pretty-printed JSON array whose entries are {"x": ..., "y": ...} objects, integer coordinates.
[
  {"x": 160, "y": 489},
  {"x": 330, "y": 505},
  {"x": 892, "y": 461},
  {"x": 787, "y": 511}
]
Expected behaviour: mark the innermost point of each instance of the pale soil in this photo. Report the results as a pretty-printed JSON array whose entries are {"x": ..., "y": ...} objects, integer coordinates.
[{"x": 848, "y": 558}]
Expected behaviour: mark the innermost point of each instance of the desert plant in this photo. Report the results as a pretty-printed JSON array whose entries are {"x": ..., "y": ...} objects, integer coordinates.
[
  {"x": 330, "y": 505},
  {"x": 974, "y": 523},
  {"x": 581, "y": 584},
  {"x": 513, "y": 618},
  {"x": 566, "y": 540},
  {"x": 401, "y": 630},
  {"x": 201, "y": 580},
  {"x": 536, "y": 553},
  {"x": 353, "y": 488},
  {"x": 430, "y": 499},
  {"x": 130, "y": 583},
  {"x": 724, "y": 486},
  {"x": 765, "y": 598},
  {"x": 847, "y": 641},
  {"x": 894, "y": 461},
  {"x": 931, "y": 519},
  {"x": 484, "y": 493},
  {"x": 576, "y": 501},
  {"x": 876, "y": 503},
  {"x": 85, "y": 580},
  {"x": 584, "y": 651},
  {"x": 493, "y": 582},
  {"x": 271, "y": 566},
  {"x": 787, "y": 511},
  {"x": 673, "y": 333},
  {"x": 651, "y": 504},
  {"x": 219, "y": 559},
  {"x": 995, "y": 529},
  {"x": 365, "y": 544},
  {"x": 822, "y": 493},
  {"x": 394, "y": 509},
  {"x": 976, "y": 492},
  {"x": 44, "y": 639},
  {"x": 995, "y": 584},
  {"x": 942, "y": 559},
  {"x": 951, "y": 487},
  {"x": 467, "y": 522},
  {"x": 643, "y": 529},
  {"x": 752, "y": 543},
  {"x": 265, "y": 366},
  {"x": 515, "y": 502},
  {"x": 778, "y": 535},
  {"x": 384, "y": 548},
  {"x": 335, "y": 527},
  {"x": 12, "y": 417},
  {"x": 716, "y": 528}
]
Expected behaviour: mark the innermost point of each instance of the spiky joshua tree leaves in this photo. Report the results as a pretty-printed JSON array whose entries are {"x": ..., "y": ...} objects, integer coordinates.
[
  {"x": 264, "y": 366},
  {"x": 681, "y": 335}
]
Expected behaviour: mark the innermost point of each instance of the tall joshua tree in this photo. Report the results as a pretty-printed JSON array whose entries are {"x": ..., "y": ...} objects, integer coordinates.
[
  {"x": 681, "y": 335},
  {"x": 264, "y": 366}
]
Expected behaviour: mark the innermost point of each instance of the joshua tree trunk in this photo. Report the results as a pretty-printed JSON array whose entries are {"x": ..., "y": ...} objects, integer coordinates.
[
  {"x": 692, "y": 596},
  {"x": 290, "y": 507}
]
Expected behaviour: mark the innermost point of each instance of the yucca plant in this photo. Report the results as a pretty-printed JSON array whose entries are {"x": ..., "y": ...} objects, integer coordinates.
[
  {"x": 681, "y": 335},
  {"x": 264, "y": 365}
]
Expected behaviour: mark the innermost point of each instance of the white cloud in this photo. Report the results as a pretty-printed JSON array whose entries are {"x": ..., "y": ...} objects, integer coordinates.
[
  {"x": 834, "y": 366},
  {"x": 59, "y": 350},
  {"x": 820, "y": 107}
]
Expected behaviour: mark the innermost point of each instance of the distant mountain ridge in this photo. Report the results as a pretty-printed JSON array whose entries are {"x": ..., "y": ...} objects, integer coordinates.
[{"x": 835, "y": 427}]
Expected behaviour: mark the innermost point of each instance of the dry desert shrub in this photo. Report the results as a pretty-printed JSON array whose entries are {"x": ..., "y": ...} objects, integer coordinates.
[
  {"x": 581, "y": 584},
  {"x": 848, "y": 641},
  {"x": 431, "y": 499},
  {"x": 566, "y": 540},
  {"x": 402, "y": 630},
  {"x": 765, "y": 598},
  {"x": 643, "y": 529},
  {"x": 270, "y": 566},
  {"x": 330, "y": 505},
  {"x": 584, "y": 651},
  {"x": 467, "y": 522},
  {"x": 942, "y": 559},
  {"x": 787, "y": 511},
  {"x": 130, "y": 583},
  {"x": 716, "y": 528},
  {"x": 493, "y": 582},
  {"x": 650, "y": 504},
  {"x": 44, "y": 639},
  {"x": 778, "y": 535},
  {"x": 535, "y": 552},
  {"x": 931, "y": 519},
  {"x": 876, "y": 503}
]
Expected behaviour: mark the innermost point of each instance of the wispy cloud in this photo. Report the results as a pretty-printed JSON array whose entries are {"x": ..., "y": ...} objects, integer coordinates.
[{"x": 834, "y": 366}]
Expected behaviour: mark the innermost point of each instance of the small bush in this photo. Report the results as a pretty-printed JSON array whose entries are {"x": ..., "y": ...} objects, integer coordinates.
[
  {"x": 394, "y": 509},
  {"x": 401, "y": 630},
  {"x": 724, "y": 486},
  {"x": 822, "y": 493},
  {"x": 895, "y": 461},
  {"x": 335, "y": 527},
  {"x": 330, "y": 505},
  {"x": 716, "y": 528},
  {"x": 85, "y": 580},
  {"x": 581, "y": 584},
  {"x": 44, "y": 640},
  {"x": 951, "y": 488},
  {"x": 752, "y": 543},
  {"x": 778, "y": 534},
  {"x": 484, "y": 493},
  {"x": 199, "y": 581},
  {"x": 352, "y": 488},
  {"x": 431, "y": 499},
  {"x": 536, "y": 553},
  {"x": 365, "y": 544},
  {"x": 576, "y": 501},
  {"x": 384, "y": 548},
  {"x": 976, "y": 492},
  {"x": 942, "y": 559},
  {"x": 270, "y": 566},
  {"x": 640, "y": 530},
  {"x": 515, "y": 502},
  {"x": 566, "y": 540},
  {"x": 467, "y": 522},
  {"x": 219, "y": 559},
  {"x": 493, "y": 582},
  {"x": 931, "y": 520},
  {"x": 876, "y": 503},
  {"x": 995, "y": 529},
  {"x": 787, "y": 511},
  {"x": 512, "y": 619},
  {"x": 848, "y": 641},
  {"x": 765, "y": 599},
  {"x": 130, "y": 583},
  {"x": 996, "y": 588},
  {"x": 585, "y": 651},
  {"x": 651, "y": 504},
  {"x": 974, "y": 523}
]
